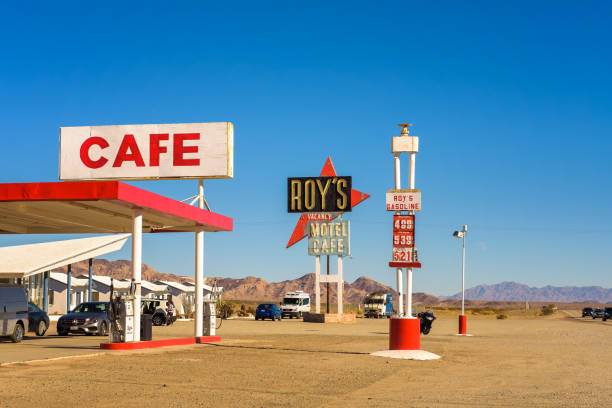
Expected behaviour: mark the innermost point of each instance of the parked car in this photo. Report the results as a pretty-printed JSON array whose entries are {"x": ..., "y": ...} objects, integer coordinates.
[
  {"x": 38, "y": 321},
  {"x": 87, "y": 318},
  {"x": 597, "y": 313},
  {"x": 267, "y": 311},
  {"x": 607, "y": 313},
  {"x": 156, "y": 308},
  {"x": 587, "y": 311},
  {"x": 13, "y": 312}
]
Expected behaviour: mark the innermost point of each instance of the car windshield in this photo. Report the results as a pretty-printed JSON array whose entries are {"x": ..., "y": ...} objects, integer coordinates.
[
  {"x": 90, "y": 308},
  {"x": 291, "y": 301},
  {"x": 266, "y": 306},
  {"x": 375, "y": 301}
]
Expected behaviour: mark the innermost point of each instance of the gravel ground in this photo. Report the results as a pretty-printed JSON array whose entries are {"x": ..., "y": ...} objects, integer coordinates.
[{"x": 546, "y": 361}]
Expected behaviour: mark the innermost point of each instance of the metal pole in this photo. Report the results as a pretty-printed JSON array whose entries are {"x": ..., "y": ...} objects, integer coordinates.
[
  {"x": 46, "y": 292},
  {"x": 340, "y": 285},
  {"x": 68, "y": 294},
  {"x": 199, "y": 272},
  {"x": 90, "y": 278},
  {"x": 136, "y": 268},
  {"x": 317, "y": 284},
  {"x": 411, "y": 167},
  {"x": 399, "y": 274},
  {"x": 463, "y": 274},
  {"x": 327, "y": 306}
]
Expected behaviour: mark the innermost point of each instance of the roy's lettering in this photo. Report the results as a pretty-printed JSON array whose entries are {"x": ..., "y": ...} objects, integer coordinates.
[{"x": 319, "y": 194}]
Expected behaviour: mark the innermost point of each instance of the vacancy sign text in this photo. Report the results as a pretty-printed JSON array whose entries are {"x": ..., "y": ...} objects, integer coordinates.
[{"x": 143, "y": 152}]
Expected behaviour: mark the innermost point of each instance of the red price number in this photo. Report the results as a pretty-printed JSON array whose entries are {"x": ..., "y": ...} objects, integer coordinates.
[
  {"x": 403, "y": 223},
  {"x": 403, "y": 239},
  {"x": 402, "y": 254}
]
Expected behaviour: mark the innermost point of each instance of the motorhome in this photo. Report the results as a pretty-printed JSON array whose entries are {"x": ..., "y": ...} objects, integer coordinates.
[
  {"x": 378, "y": 305},
  {"x": 295, "y": 304}
]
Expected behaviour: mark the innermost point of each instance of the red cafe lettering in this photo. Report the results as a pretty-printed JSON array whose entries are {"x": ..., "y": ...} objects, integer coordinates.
[{"x": 92, "y": 150}]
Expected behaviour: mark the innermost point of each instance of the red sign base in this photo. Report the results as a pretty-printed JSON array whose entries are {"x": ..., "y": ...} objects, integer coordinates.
[
  {"x": 404, "y": 334},
  {"x": 405, "y": 264}
]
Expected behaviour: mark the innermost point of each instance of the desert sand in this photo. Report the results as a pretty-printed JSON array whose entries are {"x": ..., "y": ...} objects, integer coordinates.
[{"x": 560, "y": 360}]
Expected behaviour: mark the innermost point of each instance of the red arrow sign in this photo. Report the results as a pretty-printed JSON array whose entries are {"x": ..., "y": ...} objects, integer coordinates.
[{"x": 299, "y": 231}]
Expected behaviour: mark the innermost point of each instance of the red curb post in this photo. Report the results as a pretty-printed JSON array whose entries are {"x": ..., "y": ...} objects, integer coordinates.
[
  {"x": 138, "y": 345},
  {"x": 404, "y": 334},
  {"x": 462, "y": 324}
]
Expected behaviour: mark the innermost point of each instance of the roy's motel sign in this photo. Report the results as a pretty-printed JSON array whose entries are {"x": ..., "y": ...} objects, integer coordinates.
[
  {"x": 329, "y": 238},
  {"x": 144, "y": 152},
  {"x": 319, "y": 194}
]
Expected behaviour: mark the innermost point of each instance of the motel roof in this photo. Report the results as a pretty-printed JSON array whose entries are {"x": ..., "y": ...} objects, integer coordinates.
[
  {"x": 74, "y": 282},
  {"x": 95, "y": 207}
]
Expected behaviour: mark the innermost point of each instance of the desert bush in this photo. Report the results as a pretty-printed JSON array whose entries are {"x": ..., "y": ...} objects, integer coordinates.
[
  {"x": 246, "y": 310},
  {"x": 484, "y": 311},
  {"x": 548, "y": 310},
  {"x": 226, "y": 309},
  {"x": 502, "y": 316},
  {"x": 188, "y": 311}
]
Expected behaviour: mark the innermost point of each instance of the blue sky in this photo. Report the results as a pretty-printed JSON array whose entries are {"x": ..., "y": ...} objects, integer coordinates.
[{"x": 511, "y": 102}]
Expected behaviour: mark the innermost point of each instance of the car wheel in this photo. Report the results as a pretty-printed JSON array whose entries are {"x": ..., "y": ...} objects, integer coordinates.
[
  {"x": 157, "y": 320},
  {"x": 61, "y": 333},
  {"x": 103, "y": 329},
  {"x": 17, "y": 335},
  {"x": 42, "y": 328}
]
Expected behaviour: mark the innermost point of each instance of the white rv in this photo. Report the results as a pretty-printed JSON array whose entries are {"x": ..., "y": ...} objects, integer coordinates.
[{"x": 295, "y": 304}]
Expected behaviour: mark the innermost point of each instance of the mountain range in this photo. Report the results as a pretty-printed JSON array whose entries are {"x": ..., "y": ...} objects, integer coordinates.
[
  {"x": 249, "y": 288},
  {"x": 253, "y": 288},
  {"x": 512, "y": 291}
]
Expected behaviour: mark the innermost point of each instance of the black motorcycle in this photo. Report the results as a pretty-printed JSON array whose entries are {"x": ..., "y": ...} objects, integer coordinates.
[{"x": 427, "y": 319}]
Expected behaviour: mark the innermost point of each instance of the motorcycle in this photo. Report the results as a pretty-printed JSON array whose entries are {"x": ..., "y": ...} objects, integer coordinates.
[{"x": 427, "y": 319}]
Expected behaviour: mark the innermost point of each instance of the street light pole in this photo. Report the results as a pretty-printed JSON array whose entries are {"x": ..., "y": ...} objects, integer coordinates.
[
  {"x": 463, "y": 273},
  {"x": 462, "y": 318}
]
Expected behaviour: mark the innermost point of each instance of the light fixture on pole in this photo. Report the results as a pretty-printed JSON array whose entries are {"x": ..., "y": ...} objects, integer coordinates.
[{"x": 462, "y": 318}]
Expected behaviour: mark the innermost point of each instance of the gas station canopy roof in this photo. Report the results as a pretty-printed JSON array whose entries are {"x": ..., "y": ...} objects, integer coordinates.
[
  {"x": 95, "y": 207},
  {"x": 21, "y": 261}
]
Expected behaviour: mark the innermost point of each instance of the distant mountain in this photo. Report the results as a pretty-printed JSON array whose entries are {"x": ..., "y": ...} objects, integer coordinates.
[
  {"x": 249, "y": 288},
  {"x": 252, "y": 288},
  {"x": 512, "y": 291},
  {"x": 122, "y": 269}
]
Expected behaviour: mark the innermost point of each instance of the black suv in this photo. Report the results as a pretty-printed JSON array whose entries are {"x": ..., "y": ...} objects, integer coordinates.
[
  {"x": 607, "y": 313},
  {"x": 587, "y": 311},
  {"x": 597, "y": 313}
]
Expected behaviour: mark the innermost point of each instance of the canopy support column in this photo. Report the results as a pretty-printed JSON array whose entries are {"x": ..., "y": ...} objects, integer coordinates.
[
  {"x": 90, "y": 278},
  {"x": 46, "y": 291},
  {"x": 199, "y": 269},
  {"x": 137, "y": 268},
  {"x": 68, "y": 284}
]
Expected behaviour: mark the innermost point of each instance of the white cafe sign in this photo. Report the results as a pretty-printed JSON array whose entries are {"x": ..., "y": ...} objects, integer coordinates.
[{"x": 142, "y": 152}]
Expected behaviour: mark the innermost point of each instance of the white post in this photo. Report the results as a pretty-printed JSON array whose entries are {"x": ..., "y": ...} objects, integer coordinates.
[
  {"x": 400, "y": 290},
  {"x": 317, "y": 284},
  {"x": 340, "y": 284},
  {"x": 137, "y": 268},
  {"x": 399, "y": 277},
  {"x": 199, "y": 270},
  {"x": 411, "y": 166},
  {"x": 463, "y": 273}
]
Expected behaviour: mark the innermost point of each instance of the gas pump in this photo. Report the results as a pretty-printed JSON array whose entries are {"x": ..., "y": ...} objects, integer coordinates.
[
  {"x": 210, "y": 318},
  {"x": 122, "y": 319}
]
